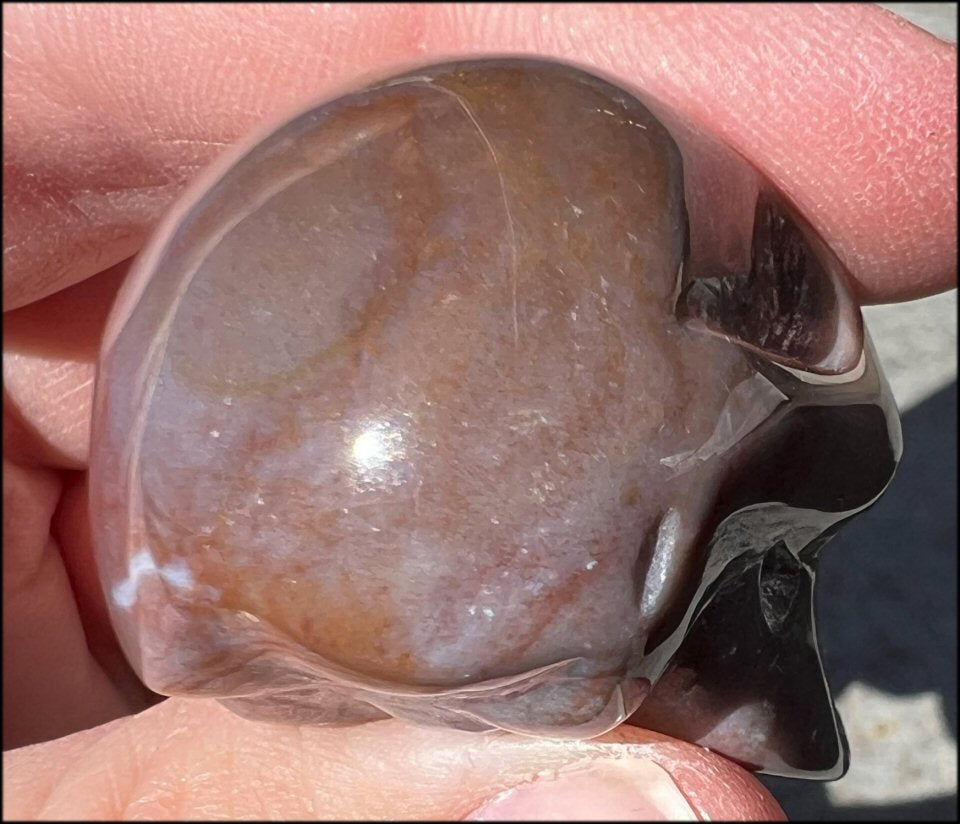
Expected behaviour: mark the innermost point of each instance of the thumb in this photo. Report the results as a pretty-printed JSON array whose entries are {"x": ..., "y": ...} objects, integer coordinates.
[{"x": 192, "y": 759}]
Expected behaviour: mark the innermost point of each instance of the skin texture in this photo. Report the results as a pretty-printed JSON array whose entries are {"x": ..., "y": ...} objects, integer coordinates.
[
  {"x": 110, "y": 110},
  {"x": 839, "y": 107},
  {"x": 327, "y": 773}
]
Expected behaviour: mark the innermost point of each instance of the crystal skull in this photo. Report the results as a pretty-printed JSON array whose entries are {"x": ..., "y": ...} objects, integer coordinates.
[{"x": 492, "y": 396}]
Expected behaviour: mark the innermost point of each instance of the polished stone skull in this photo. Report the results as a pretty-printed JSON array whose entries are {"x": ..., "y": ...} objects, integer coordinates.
[{"x": 491, "y": 397}]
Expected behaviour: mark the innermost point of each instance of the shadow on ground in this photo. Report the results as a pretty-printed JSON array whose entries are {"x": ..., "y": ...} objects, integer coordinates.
[{"x": 887, "y": 600}]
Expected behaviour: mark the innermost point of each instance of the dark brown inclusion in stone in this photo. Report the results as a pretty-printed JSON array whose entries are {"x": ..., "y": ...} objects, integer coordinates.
[{"x": 490, "y": 396}]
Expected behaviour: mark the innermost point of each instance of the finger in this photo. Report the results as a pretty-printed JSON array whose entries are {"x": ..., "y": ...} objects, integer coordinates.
[
  {"x": 113, "y": 150},
  {"x": 847, "y": 107},
  {"x": 50, "y": 350},
  {"x": 51, "y": 683},
  {"x": 384, "y": 770},
  {"x": 63, "y": 667}
]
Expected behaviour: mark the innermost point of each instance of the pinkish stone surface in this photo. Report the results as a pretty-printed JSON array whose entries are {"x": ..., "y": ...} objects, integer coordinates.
[{"x": 398, "y": 404}]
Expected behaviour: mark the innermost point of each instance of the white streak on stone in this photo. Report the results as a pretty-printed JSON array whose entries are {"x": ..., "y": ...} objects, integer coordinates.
[
  {"x": 125, "y": 593},
  {"x": 178, "y": 575},
  {"x": 142, "y": 563},
  {"x": 664, "y": 558}
]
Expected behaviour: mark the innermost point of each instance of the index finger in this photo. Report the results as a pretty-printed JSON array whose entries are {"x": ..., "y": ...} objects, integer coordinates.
[{"x": 110, "y": 110}]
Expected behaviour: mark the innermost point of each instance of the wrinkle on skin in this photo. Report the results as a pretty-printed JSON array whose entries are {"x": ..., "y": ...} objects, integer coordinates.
[
  {"x": 328, "y": 773},
  {"x": 849, "y": 108}
]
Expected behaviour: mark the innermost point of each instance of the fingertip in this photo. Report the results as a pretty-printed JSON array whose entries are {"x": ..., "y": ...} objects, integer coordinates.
[{"x": 716, "y": 788}]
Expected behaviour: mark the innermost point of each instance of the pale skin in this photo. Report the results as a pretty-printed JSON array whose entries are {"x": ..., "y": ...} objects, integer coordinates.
[{"x": 110, "y": 110}]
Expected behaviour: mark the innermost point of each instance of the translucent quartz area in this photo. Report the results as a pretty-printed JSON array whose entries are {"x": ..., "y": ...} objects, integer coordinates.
[{"x": 486, "y": 397}]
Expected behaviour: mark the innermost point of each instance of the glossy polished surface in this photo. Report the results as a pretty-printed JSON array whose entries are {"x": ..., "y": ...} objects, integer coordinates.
[{"x": 463, "y": 399}]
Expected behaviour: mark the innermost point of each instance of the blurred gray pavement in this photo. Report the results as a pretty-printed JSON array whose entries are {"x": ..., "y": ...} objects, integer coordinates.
[
  {"x": 887, "y": 589},
  {"x": 937, "y": 18}
]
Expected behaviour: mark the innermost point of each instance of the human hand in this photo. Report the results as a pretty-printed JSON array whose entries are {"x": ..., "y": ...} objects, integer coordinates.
[{"x": 109, "y": 112}]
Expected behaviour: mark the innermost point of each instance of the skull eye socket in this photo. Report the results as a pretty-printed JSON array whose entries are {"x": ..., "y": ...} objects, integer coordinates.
[{"x": 789, "y": 303}]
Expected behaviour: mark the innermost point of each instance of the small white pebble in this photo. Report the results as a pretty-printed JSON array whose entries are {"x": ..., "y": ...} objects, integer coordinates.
[
  {"x": 488, "y": 612},
  {"x": 214, "y": 433},
  {"x": 591, "y": 564}
]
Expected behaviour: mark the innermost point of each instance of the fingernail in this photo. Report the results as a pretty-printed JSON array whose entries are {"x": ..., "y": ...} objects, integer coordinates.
[{"x": 604, "y": 790}]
